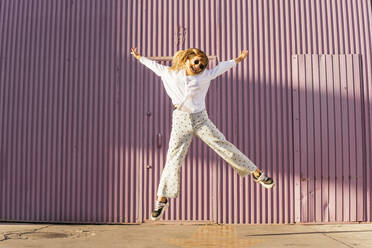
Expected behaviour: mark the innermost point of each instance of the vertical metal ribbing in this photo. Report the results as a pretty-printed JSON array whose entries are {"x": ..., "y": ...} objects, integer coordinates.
[
  {"x": 76, "y": 140},
  {"x": 327, "y": 106}
]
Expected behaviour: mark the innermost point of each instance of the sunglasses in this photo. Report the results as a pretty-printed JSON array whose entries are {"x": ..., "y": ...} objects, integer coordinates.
[{"x": 201, "y": 66}]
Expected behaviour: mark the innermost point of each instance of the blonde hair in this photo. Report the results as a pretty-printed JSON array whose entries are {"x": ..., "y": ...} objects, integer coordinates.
[{"x": 180, "y": 58}]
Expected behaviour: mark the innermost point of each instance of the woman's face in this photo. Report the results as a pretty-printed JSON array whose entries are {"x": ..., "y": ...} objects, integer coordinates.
[{"x": 196, "y": 65}]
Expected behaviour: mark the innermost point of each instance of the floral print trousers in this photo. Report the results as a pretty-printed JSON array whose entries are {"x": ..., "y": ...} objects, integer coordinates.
[{"x": 184, "y": 127}]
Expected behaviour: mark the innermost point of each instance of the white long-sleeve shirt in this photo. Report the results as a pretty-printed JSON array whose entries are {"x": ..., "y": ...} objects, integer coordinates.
[{"x": 187, "y": 92}]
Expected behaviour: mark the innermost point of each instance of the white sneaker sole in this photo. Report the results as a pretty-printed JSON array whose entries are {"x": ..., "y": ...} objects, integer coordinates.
[
  {"x": 267, "y": 186},
  {"x": 161, "y": 214}
]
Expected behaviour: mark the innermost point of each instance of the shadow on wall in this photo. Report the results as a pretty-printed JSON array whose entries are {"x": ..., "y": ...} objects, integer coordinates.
[
  {"x": 310, "y": 138},
  {"x": 83, "y": 128},
  {"x": 104, "y": 142}
]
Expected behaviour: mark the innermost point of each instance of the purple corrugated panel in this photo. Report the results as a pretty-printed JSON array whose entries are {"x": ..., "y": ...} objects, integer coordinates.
[
  {"x": 257, "y": 102},
  {"x": 77, "y": 143},
  {"x": 328, "y": 135},
  {"x": 275, "y": 31},
  {"x": 68, "y": 133}
]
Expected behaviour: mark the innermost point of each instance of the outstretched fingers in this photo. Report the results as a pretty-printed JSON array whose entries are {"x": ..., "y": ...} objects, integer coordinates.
[
  {"x": 244, "y": 54},
  {"x": 135, "y": 53}
]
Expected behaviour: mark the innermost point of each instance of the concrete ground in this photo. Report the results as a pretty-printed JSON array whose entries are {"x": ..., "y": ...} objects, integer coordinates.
[{"x": 184, "y": 235}]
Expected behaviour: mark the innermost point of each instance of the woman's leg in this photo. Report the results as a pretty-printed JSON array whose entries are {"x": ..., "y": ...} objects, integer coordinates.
[
  {"x": 180, "y": 140},
  {"x": 209, "y": 133}
]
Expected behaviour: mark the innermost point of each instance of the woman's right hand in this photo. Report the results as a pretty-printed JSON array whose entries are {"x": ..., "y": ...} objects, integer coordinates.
[{"x": 135, "y": 53}]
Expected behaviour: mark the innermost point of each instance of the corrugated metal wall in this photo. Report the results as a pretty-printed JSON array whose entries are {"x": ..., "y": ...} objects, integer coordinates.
[
  {"x": 68, "y": 125},
  {"x": 329, "y": 139},
  {"x": 84, "y": 127}
]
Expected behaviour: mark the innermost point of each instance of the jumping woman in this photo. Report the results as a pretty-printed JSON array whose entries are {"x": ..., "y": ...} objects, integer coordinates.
[{"x": 186, "y": 83}]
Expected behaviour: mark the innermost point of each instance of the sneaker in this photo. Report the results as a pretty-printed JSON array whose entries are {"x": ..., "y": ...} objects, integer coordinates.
[
  {"x": 266, "y": 181},
  {"x": 160, "y": 208}
]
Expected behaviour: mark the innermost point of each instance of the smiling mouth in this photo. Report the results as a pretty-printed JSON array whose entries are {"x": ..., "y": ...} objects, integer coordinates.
[{"x": 192, "y": 68}]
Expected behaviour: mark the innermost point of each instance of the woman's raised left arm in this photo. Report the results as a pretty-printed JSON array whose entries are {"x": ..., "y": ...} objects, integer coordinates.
[{"x": 224, "y": 66}]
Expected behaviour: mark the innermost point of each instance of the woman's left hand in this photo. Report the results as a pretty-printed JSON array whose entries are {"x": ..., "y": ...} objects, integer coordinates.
[{"x": 242, "y": 56}]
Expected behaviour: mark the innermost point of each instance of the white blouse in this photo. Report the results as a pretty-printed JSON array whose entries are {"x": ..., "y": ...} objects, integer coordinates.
[{"x": 187, "y": 92}]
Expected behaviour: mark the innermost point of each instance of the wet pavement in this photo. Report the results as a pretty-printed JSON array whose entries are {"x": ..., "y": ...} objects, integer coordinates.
[{"x": 184, "y": 235}]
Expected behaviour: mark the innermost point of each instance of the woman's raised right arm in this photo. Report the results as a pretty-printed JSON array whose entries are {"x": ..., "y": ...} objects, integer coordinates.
[{"x": 159, "y": 69}]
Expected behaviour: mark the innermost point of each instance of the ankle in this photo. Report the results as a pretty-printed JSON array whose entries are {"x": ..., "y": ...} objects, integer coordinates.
[
  {"x": 257, "y": 173},
  {"x": 162, "y": 199}
]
